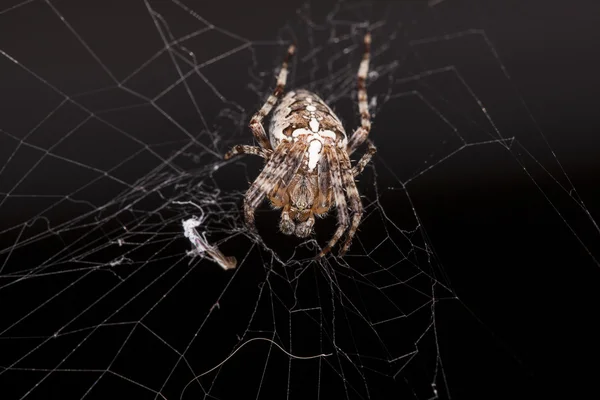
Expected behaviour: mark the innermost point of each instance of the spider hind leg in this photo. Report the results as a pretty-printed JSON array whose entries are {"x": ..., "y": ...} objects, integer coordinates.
[{"x": 279, "y": 169}]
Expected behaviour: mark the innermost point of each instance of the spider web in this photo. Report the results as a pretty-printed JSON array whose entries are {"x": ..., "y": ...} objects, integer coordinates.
[{"x": 114, "y": 120}]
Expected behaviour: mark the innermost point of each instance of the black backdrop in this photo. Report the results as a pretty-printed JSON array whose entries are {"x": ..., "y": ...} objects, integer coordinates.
[{"x": 522, "y": 257}]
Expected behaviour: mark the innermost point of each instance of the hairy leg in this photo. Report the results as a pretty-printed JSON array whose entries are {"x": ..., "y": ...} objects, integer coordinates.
[
  {"x": 281, "y": 167},
  {"x": 360, "y": 135},
  {"x": 256, "y": 121},
  {"x": 339, "y": 198},
  {"x": 362, "y": 163},
  {"x": 353, "y": 198},
  {"x": 253, "y": 150},
  {"x": 280, "y": 199},
  {"x": 323, "y": 202}
]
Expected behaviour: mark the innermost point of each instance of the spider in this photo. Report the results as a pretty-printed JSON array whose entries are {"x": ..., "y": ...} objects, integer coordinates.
[{"x": 308, "y": 159}]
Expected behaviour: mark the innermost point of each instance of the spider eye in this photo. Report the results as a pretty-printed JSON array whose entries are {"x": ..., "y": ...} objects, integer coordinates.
[
  {"x": 302, "y": 197},
  {"x": 301, "y": 206}
]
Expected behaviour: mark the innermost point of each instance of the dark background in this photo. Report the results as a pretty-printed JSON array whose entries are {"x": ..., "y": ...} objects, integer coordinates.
[{"x": 505, "y": 227}]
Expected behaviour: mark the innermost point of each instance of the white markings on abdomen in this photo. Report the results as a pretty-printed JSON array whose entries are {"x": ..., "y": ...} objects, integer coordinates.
[{"x": 314, "y": 153}]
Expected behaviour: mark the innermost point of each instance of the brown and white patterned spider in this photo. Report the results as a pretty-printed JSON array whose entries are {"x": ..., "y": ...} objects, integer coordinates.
[{"x": 308, "y": 159}]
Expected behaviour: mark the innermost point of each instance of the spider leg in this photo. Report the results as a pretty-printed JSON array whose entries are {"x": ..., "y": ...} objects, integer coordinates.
[
  {"x": 272, "y": 166},
  {"x": 323, "y": 202},
  {"x": 281, "y": 167},
  {"x": 360, "y": 135},
  {"x": 256, "y": 122},
  {"x": 353, "y": 198},
  {"x": 253, "y": 150},
  {"x": 339, "y": 198},
  {"x": 361, "y": 164},
  {"x": 280, "y": 199}
]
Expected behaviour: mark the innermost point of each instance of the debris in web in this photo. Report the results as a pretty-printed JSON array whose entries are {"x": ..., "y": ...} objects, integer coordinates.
[
  {"x": 92, "y": 249},
  {"x": 202, "y": 247}
]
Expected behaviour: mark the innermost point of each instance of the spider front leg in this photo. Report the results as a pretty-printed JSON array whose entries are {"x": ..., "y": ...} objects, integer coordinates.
[
  {"x": 256, "y": 122},
  {"x": 280, "y": 199},
  {"x": 281, "y": 167}
]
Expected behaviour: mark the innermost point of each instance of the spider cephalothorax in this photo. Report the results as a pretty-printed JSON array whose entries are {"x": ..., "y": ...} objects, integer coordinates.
[{"x": 308, "y": 166}]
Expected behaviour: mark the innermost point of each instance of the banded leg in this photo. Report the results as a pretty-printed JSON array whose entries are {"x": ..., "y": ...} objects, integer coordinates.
[
  {"x": 339, "y": 198},
  {"x": 258, "y": 185},
  {"x": 256, "y": 122},
  {"x": 353, "y": 198},
  {"x": 280, "y": 199},
  {"x": 253, "y": 150},
  {"x": 281, "y": 167},
  {"x": 322, "y": 204},
  {"x": 360, "y": 135},
  {"x": 362, "y": 163}
]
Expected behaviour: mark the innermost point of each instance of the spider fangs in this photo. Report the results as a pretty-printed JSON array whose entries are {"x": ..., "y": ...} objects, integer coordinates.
[{"x": 308, "y": 165}]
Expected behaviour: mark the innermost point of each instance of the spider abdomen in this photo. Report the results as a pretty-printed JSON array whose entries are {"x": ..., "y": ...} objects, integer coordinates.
[{"x": 302, "y": 115}]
